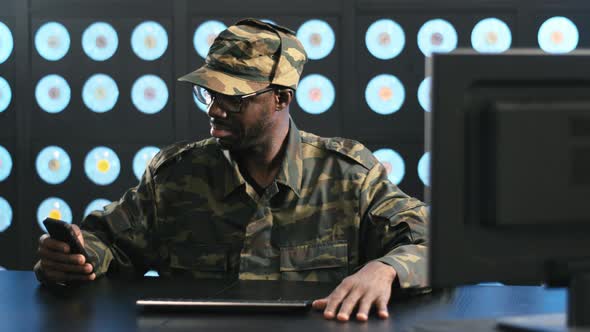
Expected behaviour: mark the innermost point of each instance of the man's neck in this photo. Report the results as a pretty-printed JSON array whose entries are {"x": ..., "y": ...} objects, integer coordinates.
[{"x": 263, "y": 164}]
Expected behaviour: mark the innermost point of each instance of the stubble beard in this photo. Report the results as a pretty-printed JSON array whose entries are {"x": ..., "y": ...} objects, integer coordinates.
[{"x": 252, "y": 141}]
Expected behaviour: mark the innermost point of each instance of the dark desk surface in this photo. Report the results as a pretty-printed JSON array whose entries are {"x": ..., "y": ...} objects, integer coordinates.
[{"x": 107, "y": 305}]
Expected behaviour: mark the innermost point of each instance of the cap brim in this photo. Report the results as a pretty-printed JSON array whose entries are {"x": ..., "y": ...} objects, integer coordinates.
[{"x": 222, "y": 82}]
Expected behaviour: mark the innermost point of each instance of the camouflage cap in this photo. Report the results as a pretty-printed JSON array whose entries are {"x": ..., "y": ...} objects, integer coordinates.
[{"x": 249, "y": 56}]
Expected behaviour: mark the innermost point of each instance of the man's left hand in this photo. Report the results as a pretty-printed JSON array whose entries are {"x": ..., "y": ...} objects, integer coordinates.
[{"x": 370, "y": 286}]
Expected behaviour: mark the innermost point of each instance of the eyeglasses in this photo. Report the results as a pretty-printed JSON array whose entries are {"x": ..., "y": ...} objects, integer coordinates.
[{"x": 231, "y": 104}]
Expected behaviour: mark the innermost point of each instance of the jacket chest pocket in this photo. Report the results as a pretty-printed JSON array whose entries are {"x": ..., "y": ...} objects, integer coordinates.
[
  {"x": 327, "y": 262},
  {"x": 199, "y": 261}
]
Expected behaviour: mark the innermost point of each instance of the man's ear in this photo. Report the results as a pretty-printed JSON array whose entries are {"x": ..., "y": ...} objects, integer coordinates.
[{"x": 283, "y": 98}]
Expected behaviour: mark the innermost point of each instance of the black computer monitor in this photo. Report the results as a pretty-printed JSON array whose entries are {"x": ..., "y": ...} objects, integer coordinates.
[{"x": 509, "y": 136}]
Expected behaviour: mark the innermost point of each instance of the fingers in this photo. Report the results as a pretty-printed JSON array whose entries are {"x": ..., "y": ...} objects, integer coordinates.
[
  {"x": 78, "y": 234},
  {"x": 46, "y": 254},
  {"x": 348, "y": 305},
  {"x": 57, "y": 265},
  {"x": 59, "y": 276},
  {"x": 362, "y": 291},
  {"x": 365, "y": 306},
  {"x": 320, "y": 304},
  {"x": 381, "y": 305},
  {"x": 52, "y": 265},
  {"x": 363, "y": 311},
  {"x": 46, "y": 241},
  {"x": 54, "y": 250},
  {"x": 58, "y": 272},
  {"x": 336, "y": 297}
]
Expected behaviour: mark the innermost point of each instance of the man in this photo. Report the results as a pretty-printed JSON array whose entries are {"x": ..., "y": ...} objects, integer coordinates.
[{"x": 260, "y": 199}]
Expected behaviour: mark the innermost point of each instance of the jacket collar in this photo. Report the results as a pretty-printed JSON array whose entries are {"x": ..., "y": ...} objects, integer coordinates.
[{"x": 289, "y": 175}]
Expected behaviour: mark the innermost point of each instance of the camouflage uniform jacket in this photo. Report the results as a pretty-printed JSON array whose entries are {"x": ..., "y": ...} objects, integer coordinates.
[{"x": 330, "y": 210}]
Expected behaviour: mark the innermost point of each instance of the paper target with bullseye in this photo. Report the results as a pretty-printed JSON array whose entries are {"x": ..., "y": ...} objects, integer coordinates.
[
  {"x": 558, "y": 35},
  {"x": 317, "y": 37},
  {"x": 100, "y": 93},
  {"x": 5, "y": 94},
  {"x": 315, "y": 94},
  {"x": 5, "y": 214},
  {"x": 55, "y": 208},
  {"x": 102, "y": 165},
  {"x": 385, "y": 39},
  {"x": 385, "y": 94},
  {"x": 52, "y": 93},
  {"x": 205, "y": 34},
  {"x": 52, "y": 41},
  {"x": 100, "y": 41},
  {"x": 438, "y": 36},
  {"x": 149, "y": 94},
  {"x": 393, "y": 163},
  {"x": 491, "y": 35},
  {"x": 142, "y": 159},
  {"x": 5, "y": 163},
  {"x": 149, "y": 40},
  {"x": 53, "y": 164},
  {"x": 6, "y": 42}
]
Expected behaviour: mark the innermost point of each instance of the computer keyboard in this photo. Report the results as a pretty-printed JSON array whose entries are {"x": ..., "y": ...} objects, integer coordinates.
[{"x": 221, "y": 304}]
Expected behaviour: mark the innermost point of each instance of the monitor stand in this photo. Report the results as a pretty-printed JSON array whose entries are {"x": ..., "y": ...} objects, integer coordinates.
[{"x": 578, "y": 312}]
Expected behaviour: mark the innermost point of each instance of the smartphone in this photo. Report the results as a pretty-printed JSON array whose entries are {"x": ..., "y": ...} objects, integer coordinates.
[{"x": 62, "y": 231}]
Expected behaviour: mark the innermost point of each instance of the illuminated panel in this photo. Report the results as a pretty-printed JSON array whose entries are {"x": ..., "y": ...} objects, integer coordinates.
[
  {"x": 385, "y": 39},
  {"x": 491, "y": 35},
  {"x": 205, "y": 34},
  {"x": 558, "y": 35},
  {"x": 5, "y": 214},
  {"x": 315, "y": 94},
  {"x": 385, "y": 94},
  {"x": 6, "y": 42},
  {"x": 5, "y": 94},
  {"x": 100, "y": 93},
  {"x": 393, "y": 163},
  {"x": 149, "y": 94},
  {"x": 424, "y": 93},
  {"x": 201, "y": 106},
  {"x": 53, "y": 165},
  {"x": 53, "y": 207},
  {"x": 142, "y": 159},
  {"x": 52, "y": 93},
  {"x": 102, "y": 165},
  {"x": 96, "y": 205},
  {"x": 438, "y": 36},
  {"x": 52, "y": 41},
  {"x": 424, "y": 168},
  {"x": 5, "y": 163},
  {"x": 149, "y": 40},
  {"x": 317, "y": 38},
  {"x": 100, "y": 41}
]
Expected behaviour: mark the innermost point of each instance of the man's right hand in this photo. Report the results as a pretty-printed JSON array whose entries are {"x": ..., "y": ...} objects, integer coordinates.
[{"x": 57, "y": 265}]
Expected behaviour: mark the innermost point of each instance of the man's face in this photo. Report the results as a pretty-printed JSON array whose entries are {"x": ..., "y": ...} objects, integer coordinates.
[{"x": 246, "y": 130}]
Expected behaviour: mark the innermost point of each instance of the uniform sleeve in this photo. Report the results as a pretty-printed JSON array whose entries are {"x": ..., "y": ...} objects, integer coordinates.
[
  {"x": 119, "y": 239},
  {"x": 393, "y": 228}
]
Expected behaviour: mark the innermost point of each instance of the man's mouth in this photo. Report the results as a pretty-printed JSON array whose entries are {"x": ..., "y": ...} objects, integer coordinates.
[{"x": 219, "y": 130}]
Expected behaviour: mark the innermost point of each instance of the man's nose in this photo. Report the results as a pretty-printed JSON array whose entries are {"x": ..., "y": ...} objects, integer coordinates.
[{"x": 215, "y": 111}]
